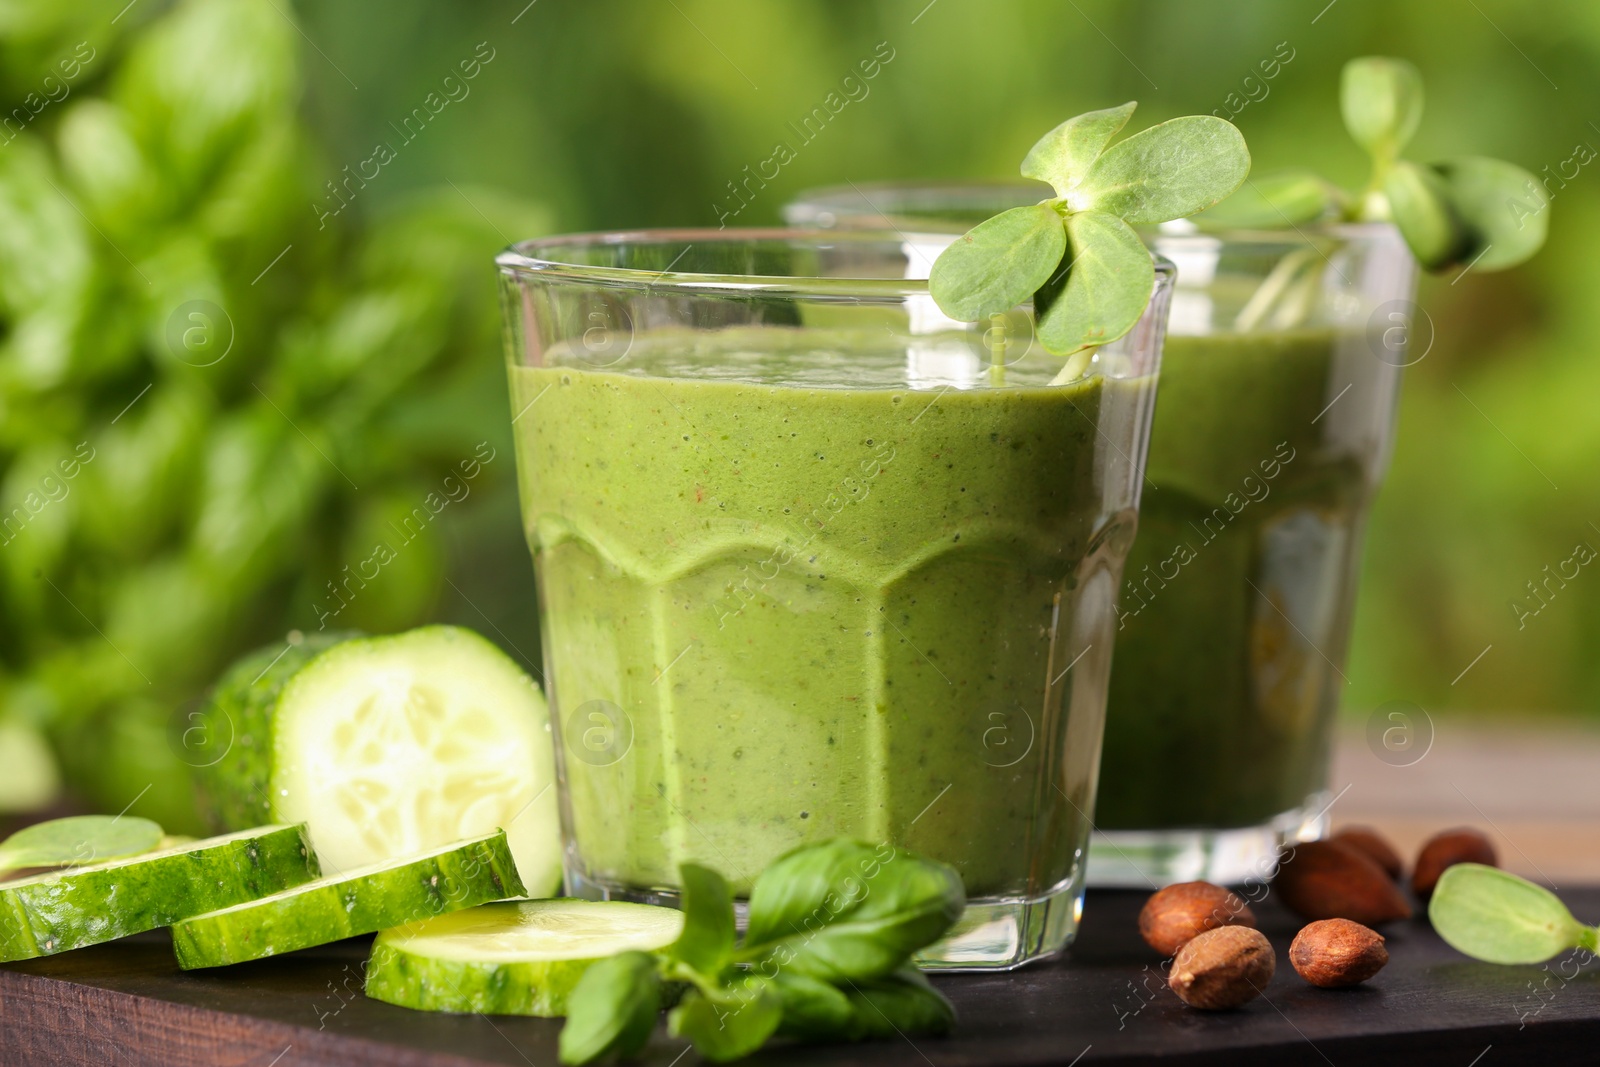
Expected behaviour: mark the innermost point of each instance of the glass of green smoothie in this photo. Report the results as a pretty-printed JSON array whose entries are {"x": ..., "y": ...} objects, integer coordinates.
[
  {"x": 1278, "y": 394},
  {"x": 814, "y": 560}
]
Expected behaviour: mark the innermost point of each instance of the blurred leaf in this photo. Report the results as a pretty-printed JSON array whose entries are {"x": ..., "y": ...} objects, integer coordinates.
[
  {"x": 203, "y": 79},
  {"x": 1272, "y": 201},
  {"x": 1503, "y": 205},
  {"x": 1420, "y": 204},
  {"x": 107, "y": 168},
  {"x": 1381, "y": 101}
]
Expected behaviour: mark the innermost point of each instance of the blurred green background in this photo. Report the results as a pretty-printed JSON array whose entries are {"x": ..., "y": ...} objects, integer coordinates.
[{"x": 245, "y": 270}]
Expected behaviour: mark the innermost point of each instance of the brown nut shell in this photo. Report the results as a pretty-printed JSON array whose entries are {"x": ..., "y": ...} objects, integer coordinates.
[
  {"x": 1173, "y": 916},
  {"x": 1461, "y": 845},
  {"x": 1335, "y": 953},
  {"x": 1329, "y": 880},
  {"x": 1223, "y": 968},
  {"x": 1375, "y": 845}
]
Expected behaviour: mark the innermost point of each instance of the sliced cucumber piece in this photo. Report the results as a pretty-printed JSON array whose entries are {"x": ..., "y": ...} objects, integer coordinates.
[
  {"x": 459, "y": 875},
  {"x": 229, "y": 743},
  {"x": 389, "y": 746},
  {"x": 520, "y": 958},
  {"x": 60, "y": 910}
]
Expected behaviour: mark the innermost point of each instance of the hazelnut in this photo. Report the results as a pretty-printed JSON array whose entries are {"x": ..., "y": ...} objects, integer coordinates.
[
  {"x": 1337, "y": 952},
  {"x": 1174, "y": 915},
  {"x": 1222, "y": 968},
  {"x": 1375, "y": 845},
  {"x": 1461, "y": 845},
  {"x": 1330, "y": 880}
]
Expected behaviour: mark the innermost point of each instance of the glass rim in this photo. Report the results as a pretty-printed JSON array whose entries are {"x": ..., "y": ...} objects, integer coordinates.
[
  {"x": 540, "y": 257},
  {"x": 804, "y": 208}
]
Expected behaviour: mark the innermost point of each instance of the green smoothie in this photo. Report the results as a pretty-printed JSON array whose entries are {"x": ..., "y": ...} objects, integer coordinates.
[
  {"x": 829, "y": 596},
  {"x": 1235, "y": 604}
]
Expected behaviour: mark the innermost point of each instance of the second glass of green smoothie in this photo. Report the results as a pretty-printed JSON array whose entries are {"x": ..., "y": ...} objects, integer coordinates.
[
  {"x": 815, "y": 560},
  {"x": 1276, "y": 408}
]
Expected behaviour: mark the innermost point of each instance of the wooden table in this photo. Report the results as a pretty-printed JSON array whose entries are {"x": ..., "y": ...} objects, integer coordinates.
[{"x": 128, "y": 1004}]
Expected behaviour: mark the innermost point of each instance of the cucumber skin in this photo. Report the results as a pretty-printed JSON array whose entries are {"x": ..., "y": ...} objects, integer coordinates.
[
  {"x": 412, "y": 980},
  {"x": 75, "y": 910},
  {"x": 233, "y": 793},
  {"x": 464, "y": 987},
  {"x": 477, "y": 873}
]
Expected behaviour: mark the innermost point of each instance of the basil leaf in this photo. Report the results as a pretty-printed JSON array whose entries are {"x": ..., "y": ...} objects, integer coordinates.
[
  {"x": 708, "y": 922},
  {"x": 1504, "y": 206},
  {"x": 1272, "y": 201},
  {"x": 1168, "y": 171},
  {"x": 730, "y": 1024},
  {"x": 1491, "y": 915},
  {"x": 612, "y": 1009},
  {"x": 1381, "y": 101},
  {"x": 1105, "y": 291},
  {"x": 1063, "y": 156},
  {"x": 1419, "y": 203},
  {"x": 905, "y": 1002},
  {"x": 812, "y": 1009},
  {"x": 998, "y": 263},
  {"x": 845, "y": 910},
  {"x": 79, "y": 839}
]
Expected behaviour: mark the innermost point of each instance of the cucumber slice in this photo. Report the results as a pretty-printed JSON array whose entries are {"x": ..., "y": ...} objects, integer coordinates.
[
  {"x": 60, "y": 910},
  {"x": 390, "y": 746},
  {"x": 231, "y": 740},
  {"x": 518, "y": 958},
  {"x": 459, "y": 875}
]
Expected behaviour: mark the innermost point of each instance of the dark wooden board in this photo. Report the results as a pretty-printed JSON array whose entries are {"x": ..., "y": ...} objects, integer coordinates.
[{"x": 128, "y": 1004}]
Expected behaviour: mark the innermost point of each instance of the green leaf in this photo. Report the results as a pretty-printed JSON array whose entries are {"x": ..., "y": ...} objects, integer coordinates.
[
  {"x": 1503, "y": 205},
  {"x": 812, "y": 1009},
  {"x": 1272, "y": 201},
  {"x": 80, "y": 839},
  {"x": 998, "y": 263},
  {"x": 1169, "y": 171},
  {"x": 1491, "y": 915},
  {"x": 734, "y": 1023},
  {"x": 1381, "y": 100},
  {"x": 612, "y": 1009},
  {"x": 708, "y": 922},
  {"x": 1420, "y": 205},
  {"x": 903, "y": 1003},
  {"x": 845, "y": 910},
  {"x": 1063, "y": 156},
  {"x": 1105, "y": 290}
]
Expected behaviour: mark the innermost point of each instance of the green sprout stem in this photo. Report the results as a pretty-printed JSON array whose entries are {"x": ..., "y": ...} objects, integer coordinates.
[{"x": 995, "y": 336}]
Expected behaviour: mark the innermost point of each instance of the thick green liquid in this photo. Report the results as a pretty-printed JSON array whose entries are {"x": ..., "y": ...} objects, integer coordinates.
[
  {"x": 1235, "y": 606},
  {"x": 825, "y": 610}
]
